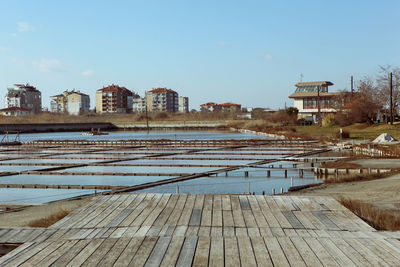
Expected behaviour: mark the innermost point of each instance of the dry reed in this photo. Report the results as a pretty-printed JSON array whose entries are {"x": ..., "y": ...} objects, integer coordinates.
[
  {"x": 49, "y": 220},
  {"x": 377, "y": 218}
]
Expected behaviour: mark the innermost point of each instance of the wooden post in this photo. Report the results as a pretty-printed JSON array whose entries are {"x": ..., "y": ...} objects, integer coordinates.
[
  {"x": 285, "y": 173},
  {"x": 248, "y": 187},
  {"x": 391, "y": 97},
  {"x": 291, "y": 181},
  {"x": 281, "y": 190},
  {"x": 246, "y": 174},
  {"x": 177, "y": 189},
  {"x": 268, "y": 173},
  {"x": 273, "y": 191}
]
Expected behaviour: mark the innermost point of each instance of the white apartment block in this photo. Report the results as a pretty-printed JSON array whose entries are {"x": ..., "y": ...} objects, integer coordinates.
[
  {"x": 183, "y": 104},
  {"x": 71, "y": 102},
  {"x": 162, "y": 99}
]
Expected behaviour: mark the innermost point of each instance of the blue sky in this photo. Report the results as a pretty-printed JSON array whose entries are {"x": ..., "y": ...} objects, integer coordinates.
[{"x": 247, "y": 52}]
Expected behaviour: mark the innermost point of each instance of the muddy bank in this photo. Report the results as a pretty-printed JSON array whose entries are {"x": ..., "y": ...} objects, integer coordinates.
[{"x": 55, "y": 127}]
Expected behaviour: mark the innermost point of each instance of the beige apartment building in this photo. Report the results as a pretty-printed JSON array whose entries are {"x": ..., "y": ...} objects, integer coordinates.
[
  {"x": 71, "y": 102},
  {"x": 114, "y": 99}
]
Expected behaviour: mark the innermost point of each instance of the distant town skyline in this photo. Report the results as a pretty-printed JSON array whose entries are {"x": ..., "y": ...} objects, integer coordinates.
[{"x": 250, "y": 53}]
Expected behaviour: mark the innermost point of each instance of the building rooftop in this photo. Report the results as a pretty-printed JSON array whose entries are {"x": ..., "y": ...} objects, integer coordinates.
[
  {"x": 312, "y": 94},
  {"x": 322, "y": 86},
  {"x": 13, "y": 109},
  {"x": 230, "y": 105},
  {"x": 162, "y": 90},
  {"x": 112, "y": 88},
  {"x": 25, "y": 86}
]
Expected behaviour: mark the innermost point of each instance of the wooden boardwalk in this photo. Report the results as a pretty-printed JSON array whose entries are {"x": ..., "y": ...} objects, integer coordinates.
[{"x": 204, "y": 230}]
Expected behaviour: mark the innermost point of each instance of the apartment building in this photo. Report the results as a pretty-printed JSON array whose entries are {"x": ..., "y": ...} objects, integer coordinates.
[
  {"x": 114, "y": 99},
  {"x": 139, "y": 105},
  {"x": 71, "y": 102},
  {"x": 162, "y": 99},
  {"x": 225, "y": 107},
  {"x": 183, "y": 104},
  {"x": 24, "y": 96}
]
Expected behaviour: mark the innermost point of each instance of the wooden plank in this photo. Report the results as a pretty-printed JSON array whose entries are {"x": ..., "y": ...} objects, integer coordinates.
[
  {"x": 216, "y": 231},
  {"x": 187, "y": 210},
  {"x": 283, "y": 222},
  {"x": 139, "y": 221},
  {"x": 296, "y": 224},
  {"x": 336, "y": 253},
  {"x": 290, "y": 232},
  {"x": 275, "y": 251},
  {"x": 121, "y": 216},
  {"x": 192, "y": 231},
  {"x": 15, "y": 252},
  {"x": 381, "y": 252},
  {"x": 158, "y": 209},
  {"x": 247, "y": 257},
  {"x": 266, "y": 231},
  {"x": 244, "y": 203},
  {"x": 206, "y": 219},
  {"x": 158, "y": 252},
  {"x": 303, "y": 219},
  {"x": 154, "y": 231},
  {"x": 99, "y": 253},
  {"x": 325, "y": 220},
  {"x": 369, "y": 255},
  {"x": 137, "y": 210},
  {"x": 276, "y": 232},
  {"x": 216, "y": 251},
  {"x": 115, "y": 252},
  {"x": 195, "y": 218},
  {"x": 238, "y": 218},
  {"x": 180, "y": 230},
  {"x": 217, "y": 218},
  {"x": 187, "y": 252},
  {"x": 176, "y": 213},
  {"x": 167, "y": 230},
  {"x": 142, "y": 231},
  {"x": 27, "y": 254},
  {"x": 259, "y": 217},
  {"x": 86, "y": 252},
  {"x": 241, "y": 231},
  {"x": 231, "y": 251},
  {"x": 269, "y": 217},
  {"x": 160, "y": 221},
  {"x": 9, "y": 235},
  {"x": 249, "y": 218},
  {"x": 171, "y": 256},
  {"x": 226, "y": 203},
  {"x": 198, "y": 204},
  {"x": 227, "y": 218},
  {"x": 71, "y": 253},
  {"x": 261, "y": 252},
  {"x": 351, "y": 253},
  {"x": 305, "y": 252},
  {"x": 253, "y": 231},
  {"x": 129, "y": 252},
  {"x": 204, "y": 231},
  {"x": 144, "y": 251},
  {"x": 202, "y": 252},
  {"x": 228, "y": 231},
  {"x": 291, "y": 252},
  {"x": 49, "y": 259},
  {"x": 320, "y": 252}
]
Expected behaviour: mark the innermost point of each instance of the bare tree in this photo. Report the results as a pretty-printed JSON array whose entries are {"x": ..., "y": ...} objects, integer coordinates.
[{"x": 382, "y": 83}]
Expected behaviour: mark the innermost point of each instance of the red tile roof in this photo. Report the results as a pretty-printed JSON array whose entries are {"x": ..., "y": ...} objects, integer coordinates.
[
  {"x": 230, "y": 105},
  {"x": 162, "y": 90},
  {"x": 209, "y": 104}
]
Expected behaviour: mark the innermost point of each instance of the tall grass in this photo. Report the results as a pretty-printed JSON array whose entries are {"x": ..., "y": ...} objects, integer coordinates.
[
  {"x": 49, "y": 220},
  {"x": 377, "y": 218}
]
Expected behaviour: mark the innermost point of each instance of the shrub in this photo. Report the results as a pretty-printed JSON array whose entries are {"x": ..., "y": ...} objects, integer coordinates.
[{"x": 328, "y": 120}]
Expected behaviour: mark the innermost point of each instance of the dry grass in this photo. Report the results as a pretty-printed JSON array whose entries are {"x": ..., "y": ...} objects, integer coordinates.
[
  {"x": 47, "y": 221},
  {"x": 379, "y": 219},
  {"x": 359, "y": 177}
]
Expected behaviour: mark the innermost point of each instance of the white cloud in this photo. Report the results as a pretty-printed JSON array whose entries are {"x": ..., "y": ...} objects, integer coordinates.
[
  {"x": 13, "y": 34},
  {"x": 221, "y": 43},
  {"x": 87, "y": 72},
  {"x": 18, "y": 61},
  {"x": 268, "y": 56},
  {"x": 49, "y": 65},
  {"x": 24, "y": 27},
  {"x": 3, "y": 48}
]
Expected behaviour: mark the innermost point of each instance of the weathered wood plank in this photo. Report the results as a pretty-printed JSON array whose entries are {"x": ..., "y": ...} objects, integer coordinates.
[
  {"x": 99, "y": 253},
  {"x": 261, "y": 252},
  {"x": 171, "y": 256},
  {"x": 231, "y": 251},
  {"x": 110, "y": 258},
  {"x": 158, "y": 252},
  {"x": 275, "y": 251},
  {"x": 129, "y": 252},
  {"x": 291, "y": 252},
  {"x": 216, "y": 251},
  {"x": 187, "y": 252},
  {"x": 305, "y": 252},
  {"x": 202, "y": 252},
  {"x": 144, "y": 251}
]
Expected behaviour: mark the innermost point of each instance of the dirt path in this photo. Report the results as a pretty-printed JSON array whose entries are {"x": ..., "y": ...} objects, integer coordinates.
[
  {"x": 382, "y": 193},
  {"x": 24, "y": 217}
]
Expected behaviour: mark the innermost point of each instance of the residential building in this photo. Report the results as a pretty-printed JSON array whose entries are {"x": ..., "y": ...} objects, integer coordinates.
[
  {"x": 71, "y": 102},
  {"x": 225, "y": 107},
  {"x": 231, "y": 107},
  {"x": 139, "y": 105},
  {"x": 183, "y": 104},
  {"x": 309, "y": 95},
  {"x": 162, "y": 99},
  {"x": 24, "y": 96},
  {"x": 77, "y": 103},
  {"x": 58, "y": 103},
  {"x": 14, "y": 111},
  {"x": 210, "y": 107},
  {"x": 114, "y": 99}
]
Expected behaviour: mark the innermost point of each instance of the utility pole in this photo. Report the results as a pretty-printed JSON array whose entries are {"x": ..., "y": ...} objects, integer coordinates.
[
  {"x": 351, "y": 85},
  {"x": 319, "y": 106},
  {"x": 147, "y": 117},
  {"x": 391, "y": 97}
]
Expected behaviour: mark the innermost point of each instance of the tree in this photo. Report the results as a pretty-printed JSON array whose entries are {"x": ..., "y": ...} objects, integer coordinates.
[{"x": 383, "y": 86}]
